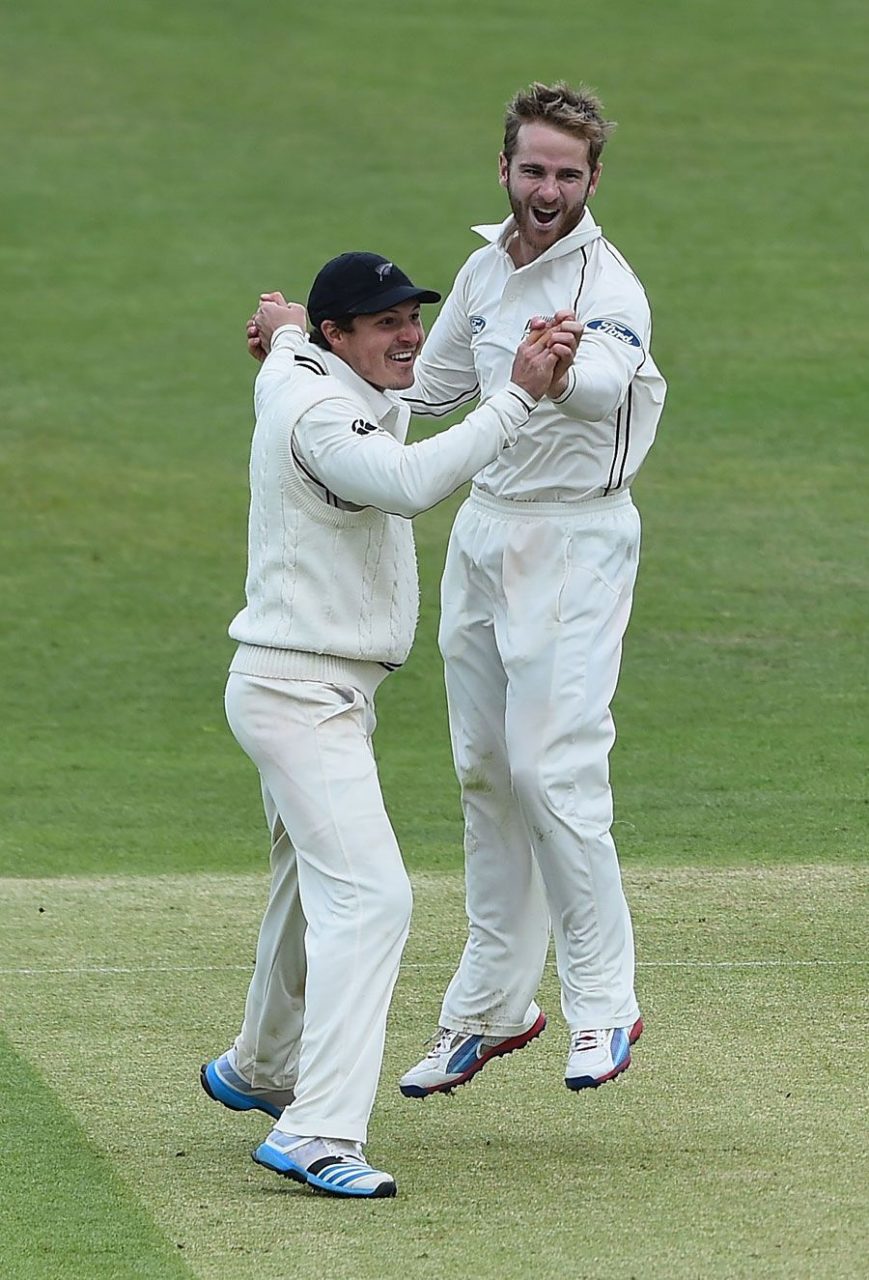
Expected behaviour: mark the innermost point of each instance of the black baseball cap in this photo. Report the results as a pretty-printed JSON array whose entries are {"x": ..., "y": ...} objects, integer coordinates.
[{"x": 361, "y": 284}]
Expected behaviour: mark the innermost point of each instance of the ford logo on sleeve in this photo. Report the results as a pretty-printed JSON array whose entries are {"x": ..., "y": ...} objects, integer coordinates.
[
  {"x": 478, "y": 324},
  {"x": 614, "y": 329}
]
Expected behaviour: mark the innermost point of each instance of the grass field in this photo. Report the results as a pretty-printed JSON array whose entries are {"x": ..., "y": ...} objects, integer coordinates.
[
  {"x": 162, "y": 164},
  {"x": 731, "y": 1148}
]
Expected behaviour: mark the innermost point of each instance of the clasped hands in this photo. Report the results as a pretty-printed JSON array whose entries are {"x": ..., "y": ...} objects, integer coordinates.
[
  {"x": 273, "y": 312},
  {"x": 544, "y": 357},
  {"x": 542, "y": 363}
]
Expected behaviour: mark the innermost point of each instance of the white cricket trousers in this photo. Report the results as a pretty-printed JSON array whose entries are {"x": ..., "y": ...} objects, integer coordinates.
[
  {"x": 535, "y": 601},
  {"x": 339, "y": 906}
]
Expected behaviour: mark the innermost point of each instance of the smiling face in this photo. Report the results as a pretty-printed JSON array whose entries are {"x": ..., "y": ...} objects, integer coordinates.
[
  {"x": 381, "y": 348},
  {"x": 548, "y": 181}
]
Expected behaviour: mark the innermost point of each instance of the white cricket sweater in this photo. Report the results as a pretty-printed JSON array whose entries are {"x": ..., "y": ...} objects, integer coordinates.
[{"x": 332, "y": 592}]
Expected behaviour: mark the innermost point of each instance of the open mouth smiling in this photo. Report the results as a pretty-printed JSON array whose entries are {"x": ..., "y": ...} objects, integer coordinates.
[{"x": 544, "y": 217}]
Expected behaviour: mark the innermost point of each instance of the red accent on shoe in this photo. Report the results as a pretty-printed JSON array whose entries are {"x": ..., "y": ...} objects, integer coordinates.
[{"x": 496, "y": 1051}]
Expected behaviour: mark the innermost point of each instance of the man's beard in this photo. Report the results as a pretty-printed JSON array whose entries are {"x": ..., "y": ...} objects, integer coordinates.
[{"x": 539, "y": 237}]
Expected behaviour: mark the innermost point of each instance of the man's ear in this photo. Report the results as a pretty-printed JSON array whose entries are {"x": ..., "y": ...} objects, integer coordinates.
[
  {"x": 595, "y": 179},
  {"x": 503, "y": 169},
  {"x": 331, "y": 333}
]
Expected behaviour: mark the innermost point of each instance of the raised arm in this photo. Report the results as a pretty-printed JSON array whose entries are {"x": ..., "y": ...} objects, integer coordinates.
[
  {"x": 615, "y": 343},
  {"x": 275, "y": 333},
  {"x": 361, "y": 463},
  {"x": 444, "y": 377}
]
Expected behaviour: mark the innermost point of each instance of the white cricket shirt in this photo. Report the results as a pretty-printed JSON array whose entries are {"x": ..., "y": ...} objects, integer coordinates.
[{"x": 593, "y": 441}]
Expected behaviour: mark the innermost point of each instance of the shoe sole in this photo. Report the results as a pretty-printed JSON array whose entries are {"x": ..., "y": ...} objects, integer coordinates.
[
  {"x": 594, "y": 1082},
  {"x": 231, "y": 1099},
  {"x": 497, "y": 1051},
  {"x": 296, "y": 1174}
]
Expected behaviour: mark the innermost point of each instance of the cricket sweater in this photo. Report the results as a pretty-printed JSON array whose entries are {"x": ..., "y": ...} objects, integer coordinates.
[{"x": 331, "y": 588}]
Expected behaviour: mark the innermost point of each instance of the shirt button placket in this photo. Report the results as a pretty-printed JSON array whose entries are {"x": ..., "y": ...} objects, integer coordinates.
[{"x": 510, "y": 303}]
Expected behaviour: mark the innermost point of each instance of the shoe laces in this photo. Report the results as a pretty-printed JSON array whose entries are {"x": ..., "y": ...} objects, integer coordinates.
[
  {"x": 445, "y": 1039},
  {"x": 583, "y": 1041}
]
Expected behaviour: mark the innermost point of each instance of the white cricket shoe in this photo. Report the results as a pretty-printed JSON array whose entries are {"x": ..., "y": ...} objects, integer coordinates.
[
  {"x": 335, "y": 1165},
  {"x": 457, "y": 1056},
  {"x": 598, "y": 1056}
]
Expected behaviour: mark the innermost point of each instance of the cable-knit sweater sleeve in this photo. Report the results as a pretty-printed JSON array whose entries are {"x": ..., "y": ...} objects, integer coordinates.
[
  {"x": 278, "y": 367},
  {"x": 362, "y": 463}
]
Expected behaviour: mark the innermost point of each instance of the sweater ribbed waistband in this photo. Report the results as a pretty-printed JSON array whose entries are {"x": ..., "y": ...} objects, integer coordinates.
[
  {"x": 294, "y": 664},
  {"x": 513, "y": 507}
]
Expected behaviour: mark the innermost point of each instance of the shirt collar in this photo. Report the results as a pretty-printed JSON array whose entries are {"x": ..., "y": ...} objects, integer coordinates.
[
  {"x": 500, "y": 234},
  {"x": 381, "y": 403}
]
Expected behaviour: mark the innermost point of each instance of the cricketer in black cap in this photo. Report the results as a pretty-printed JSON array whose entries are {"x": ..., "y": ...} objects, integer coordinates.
[{"x": 361, "y": 284}]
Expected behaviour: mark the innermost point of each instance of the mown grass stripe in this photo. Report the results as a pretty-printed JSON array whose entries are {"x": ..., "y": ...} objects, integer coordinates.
[{"x": 64, "y": 1209}]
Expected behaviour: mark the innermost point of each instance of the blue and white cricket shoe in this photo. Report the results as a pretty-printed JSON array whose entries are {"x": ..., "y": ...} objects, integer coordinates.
[
  {"x": 598, "y": 1056},
  {"x": 334, "y": 1165},
  {"x": 457, "y": 1056},
  {"x": 221, "y": 1081}
]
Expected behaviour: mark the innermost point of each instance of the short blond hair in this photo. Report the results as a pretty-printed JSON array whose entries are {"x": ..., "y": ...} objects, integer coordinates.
[{"x": 578, "y": 112}]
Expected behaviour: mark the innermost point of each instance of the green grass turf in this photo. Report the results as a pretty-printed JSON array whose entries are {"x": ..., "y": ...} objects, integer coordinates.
[
  {"x": 733, "y": 1147},
  {"x": 165, "y": 162},
  {"x": 66, "y": 1209},
  {"x": 162, "y": 164}
]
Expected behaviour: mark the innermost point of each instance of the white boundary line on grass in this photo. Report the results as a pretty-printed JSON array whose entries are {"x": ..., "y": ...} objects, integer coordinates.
[{"x": 243, "y": 968}]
